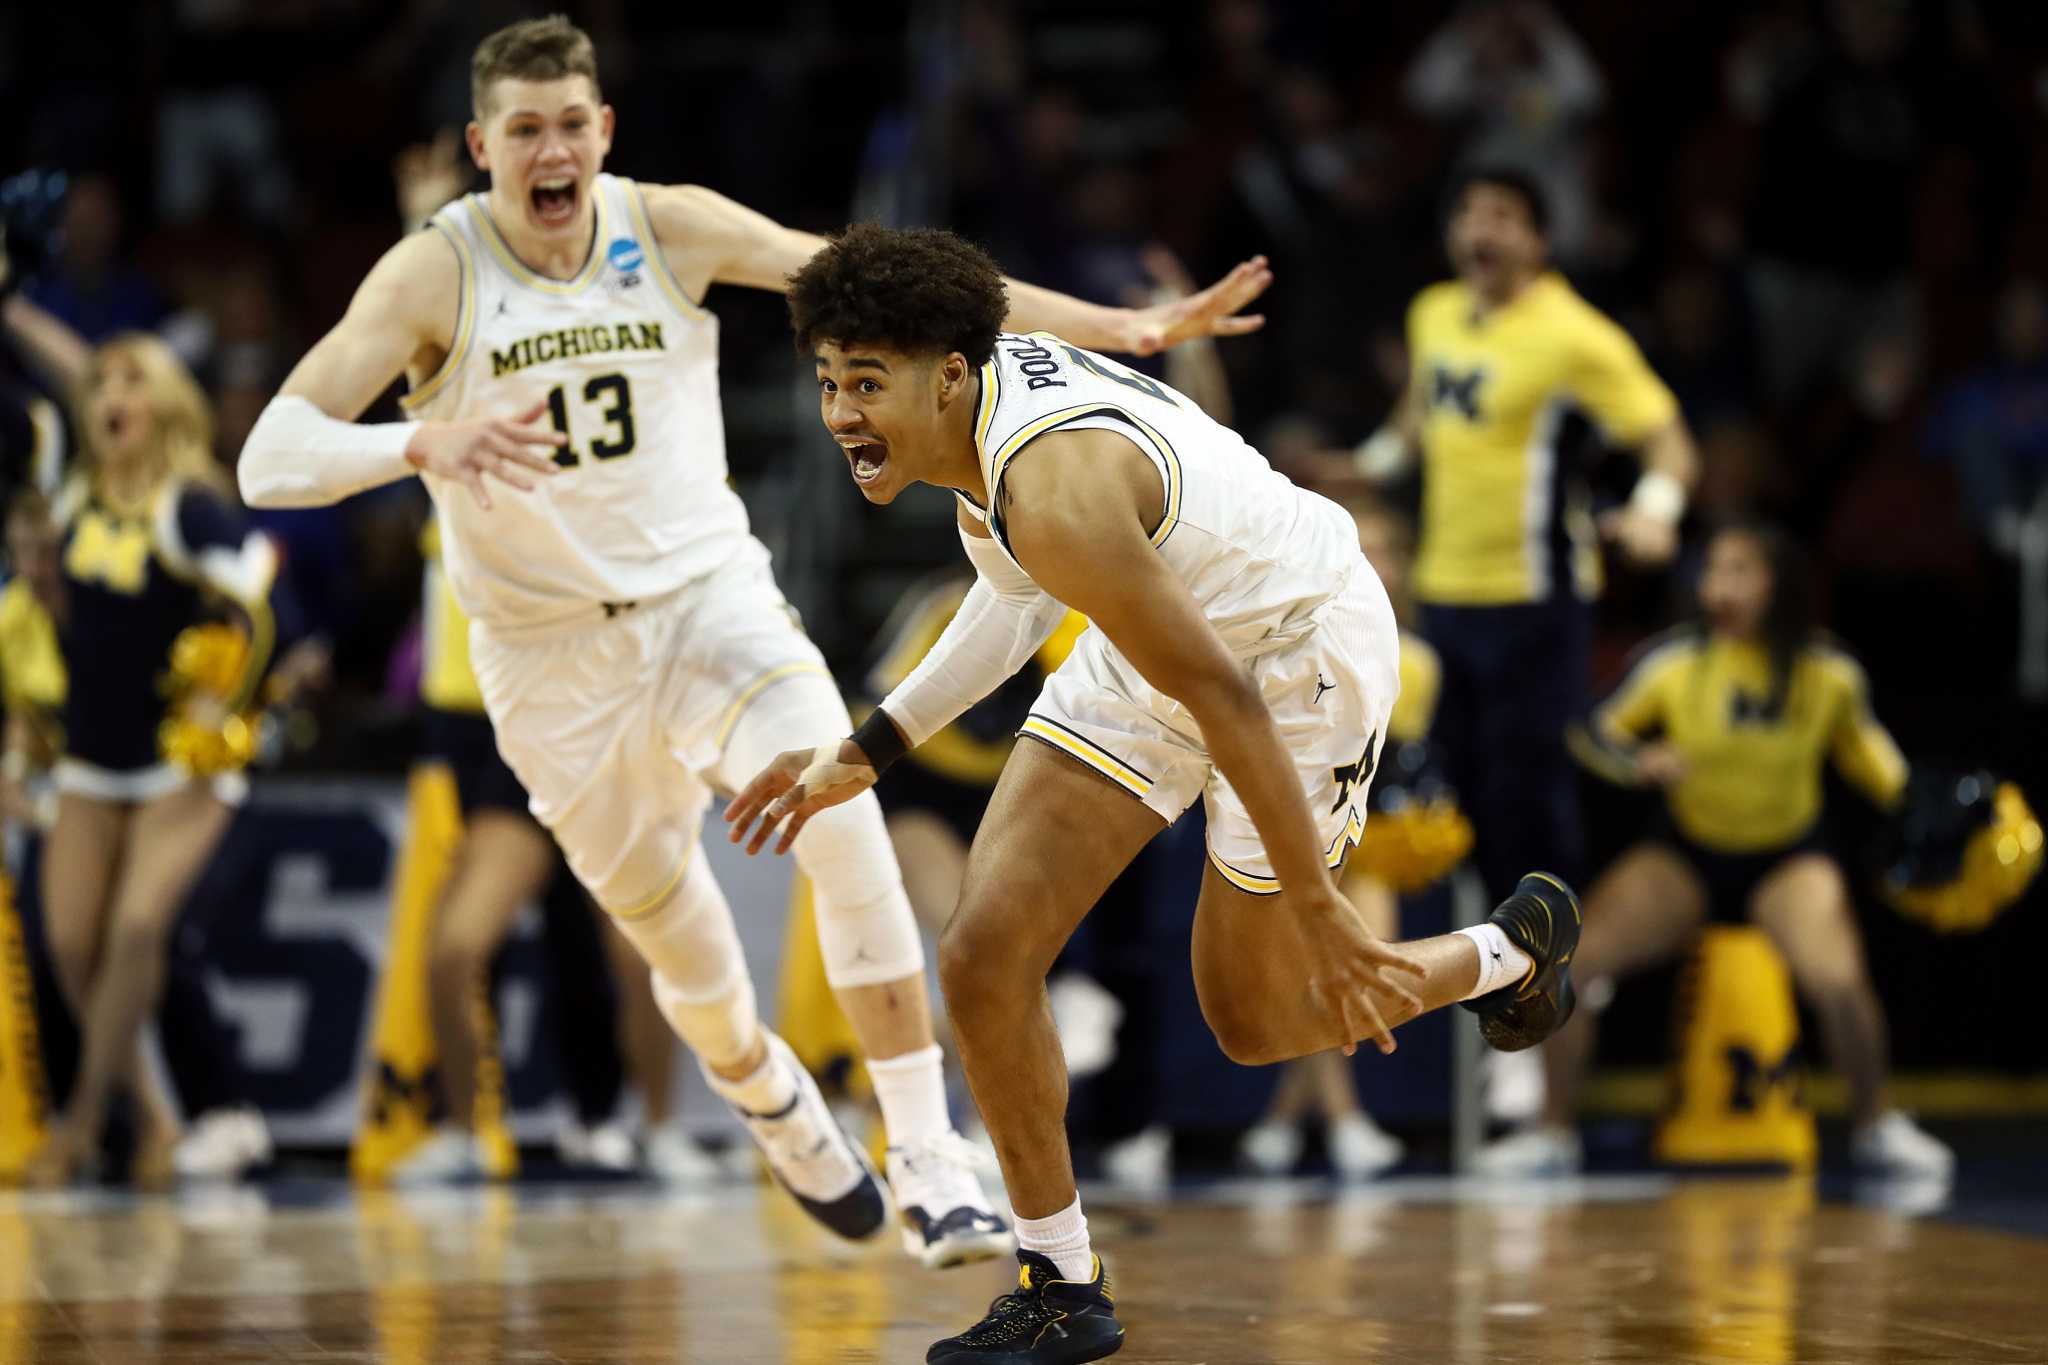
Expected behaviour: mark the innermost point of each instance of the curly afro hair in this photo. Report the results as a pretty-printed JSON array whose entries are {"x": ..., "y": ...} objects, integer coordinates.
[{"x": 919, "y": 291}]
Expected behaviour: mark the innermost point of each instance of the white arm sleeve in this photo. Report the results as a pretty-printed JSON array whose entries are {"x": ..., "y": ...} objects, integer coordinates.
[
  {"x": 1000, "y": 625},
  {"x": 298, "y": 456}
]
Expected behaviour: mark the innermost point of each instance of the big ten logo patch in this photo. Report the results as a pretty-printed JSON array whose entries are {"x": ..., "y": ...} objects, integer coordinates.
[{"x": 626, "y": 259}]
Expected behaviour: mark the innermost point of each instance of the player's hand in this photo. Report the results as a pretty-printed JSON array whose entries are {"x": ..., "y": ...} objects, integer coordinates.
[
  {"x": 1356, "y": 975},
  {"x": 1211, "y": 313},
  {"x": 796, "y": 786},
  {"x": 428, "y": 175},
  {"x": 1659, "y": 765},
  {"x": 1646, "y": 539},
  {"x": 517, "y": 452}
]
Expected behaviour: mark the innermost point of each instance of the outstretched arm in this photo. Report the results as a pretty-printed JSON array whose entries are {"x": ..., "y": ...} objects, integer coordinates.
[
  {"x": 1074, "y": 519},
  {"x": 1003, "y": 621},
  {"x": 307, "y": 450},
  {"x": 1075, "y": 510},
  {"x": 709, "y": 239},
  {"x": 60, "y": 355}
]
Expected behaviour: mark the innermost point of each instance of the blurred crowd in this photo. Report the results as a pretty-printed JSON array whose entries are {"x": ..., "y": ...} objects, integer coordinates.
[
  {"x": 1822, "y": 219},
  {"x": 1825, "y": 222}
]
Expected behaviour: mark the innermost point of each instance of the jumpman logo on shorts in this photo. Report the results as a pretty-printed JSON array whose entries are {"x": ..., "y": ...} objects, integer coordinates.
[{"x": 1321, "y": 687}]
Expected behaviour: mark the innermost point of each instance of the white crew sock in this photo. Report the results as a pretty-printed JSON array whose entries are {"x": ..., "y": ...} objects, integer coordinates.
[
  {"x": 1501, "y": 963},
  {"x": 1061, "y": 1238},
  {"x": 912, "y": 1092},
  {"x": 767, "y": 1089}
]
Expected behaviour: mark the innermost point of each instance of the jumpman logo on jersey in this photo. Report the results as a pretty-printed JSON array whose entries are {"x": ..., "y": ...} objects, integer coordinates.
[
  {"x": 1460, "y": 391},
  {"x": 1321, "y": 687}
]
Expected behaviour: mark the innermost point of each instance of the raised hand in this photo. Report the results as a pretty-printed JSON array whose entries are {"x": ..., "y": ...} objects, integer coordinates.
[
  {"x": 428, "y": 175},
  {"x": 794, "y": 787},
  {"x": 509, "y": 450},
  {"x": 1213, "y": 312}
]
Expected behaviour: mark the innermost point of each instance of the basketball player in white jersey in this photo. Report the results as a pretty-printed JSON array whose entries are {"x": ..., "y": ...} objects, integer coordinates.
[
  {"x": 1241, "y": 650},
  {"x": 629, "y": 641}
]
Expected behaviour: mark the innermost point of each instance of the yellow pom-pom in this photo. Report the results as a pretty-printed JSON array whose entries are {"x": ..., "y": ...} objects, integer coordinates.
[
  {"x": 1413, "y": 847},
  {"x": 205, "y": 748},
  {"x": 210, "y": 657},
  {"x": 1999, "y": 862}
]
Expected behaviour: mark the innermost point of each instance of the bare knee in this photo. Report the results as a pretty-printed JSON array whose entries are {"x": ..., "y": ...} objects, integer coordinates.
[
  {"x": 1243, "y": 1041},
  {"x": 71, "y": 953},
  {"x": 140, "y": 937},
  {"x": 987, "y": 955},
  {"x": 1833, "y": 985}
]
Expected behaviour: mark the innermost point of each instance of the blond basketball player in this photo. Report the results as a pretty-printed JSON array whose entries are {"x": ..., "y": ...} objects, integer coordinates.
[
  {"x": 629, "y": 641},
  {"x": 1240, "y": 650}
]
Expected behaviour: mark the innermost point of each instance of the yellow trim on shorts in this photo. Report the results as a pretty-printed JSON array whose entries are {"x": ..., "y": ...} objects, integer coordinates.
[
  {"x": 642, "y": 909},
  {"x": 636, "y": 206},
  {"x": 1095, "y": 756},
  {"x": 465, "y": 323},
  {"x": 761, "y": 683},
  {"x": 526, "y": 274},
  {"x": 1340, "y": 849}
]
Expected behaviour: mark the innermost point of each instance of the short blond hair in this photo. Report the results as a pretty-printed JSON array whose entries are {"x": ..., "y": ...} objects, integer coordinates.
[{"x": 531, "y": 50}]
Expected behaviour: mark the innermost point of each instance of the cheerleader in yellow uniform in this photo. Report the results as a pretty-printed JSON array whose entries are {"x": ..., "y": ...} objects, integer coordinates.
[{"x": 1733, "y": 716}]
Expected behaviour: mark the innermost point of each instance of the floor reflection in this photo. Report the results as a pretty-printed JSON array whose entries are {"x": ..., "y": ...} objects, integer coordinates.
[{"x": 1284, "y": 1273}]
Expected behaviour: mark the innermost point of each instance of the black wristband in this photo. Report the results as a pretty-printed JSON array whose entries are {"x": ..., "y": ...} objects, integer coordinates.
[{"x": 880, "y": 740}]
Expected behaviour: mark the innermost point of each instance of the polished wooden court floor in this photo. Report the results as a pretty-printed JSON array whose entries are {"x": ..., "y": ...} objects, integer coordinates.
[{"x": 1412, "y": 1271}]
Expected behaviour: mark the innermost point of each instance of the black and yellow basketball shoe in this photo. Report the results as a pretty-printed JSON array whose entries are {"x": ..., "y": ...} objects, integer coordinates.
[
  {"x": 1542, "y": 919},
  {"x": 1046, "y": 1321}
]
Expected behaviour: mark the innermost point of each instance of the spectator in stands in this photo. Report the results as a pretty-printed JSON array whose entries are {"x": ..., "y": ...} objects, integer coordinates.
[{"x": 1517, "y": 76}]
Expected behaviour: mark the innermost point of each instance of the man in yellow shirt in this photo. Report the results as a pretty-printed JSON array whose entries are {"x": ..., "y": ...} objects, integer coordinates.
[{"x": 1500, "y": 359}]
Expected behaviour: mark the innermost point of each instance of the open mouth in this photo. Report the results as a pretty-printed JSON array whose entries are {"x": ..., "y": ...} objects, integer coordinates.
[
  {"x": 554, "y": 201},
  {"x": 866, "y": 457}
]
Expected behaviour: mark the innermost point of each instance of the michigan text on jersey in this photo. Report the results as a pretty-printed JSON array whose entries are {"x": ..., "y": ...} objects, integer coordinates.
[{"x": 577, "y": 341}]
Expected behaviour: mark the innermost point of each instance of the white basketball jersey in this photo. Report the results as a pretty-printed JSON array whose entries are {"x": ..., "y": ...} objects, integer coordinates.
[
  {"x": 1259, "y": 554},
  {"x": 627, "y": 365}
]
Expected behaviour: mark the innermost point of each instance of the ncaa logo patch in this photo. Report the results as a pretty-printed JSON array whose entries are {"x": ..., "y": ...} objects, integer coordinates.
[{"x": 626, "y": 258}]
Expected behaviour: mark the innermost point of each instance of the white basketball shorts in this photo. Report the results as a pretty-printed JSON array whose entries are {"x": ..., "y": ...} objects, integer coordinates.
[
  {"x": 1331, "y": 691},
  {"x": 612, "y": 722}
]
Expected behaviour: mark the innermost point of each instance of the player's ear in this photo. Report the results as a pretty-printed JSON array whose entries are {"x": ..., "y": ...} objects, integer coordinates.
[
  {"x": 953, "y": 372},
  {"x": 606, "y": 122},
  {"x": 474, "y": 136}
]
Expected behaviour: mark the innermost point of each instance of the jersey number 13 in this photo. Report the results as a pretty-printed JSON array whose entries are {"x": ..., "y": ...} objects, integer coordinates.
[{"x": 616, "y": 397}]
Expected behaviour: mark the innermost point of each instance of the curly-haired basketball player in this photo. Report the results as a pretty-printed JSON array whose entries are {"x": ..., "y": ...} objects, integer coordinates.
[{"x": 1240, "y": 650}]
